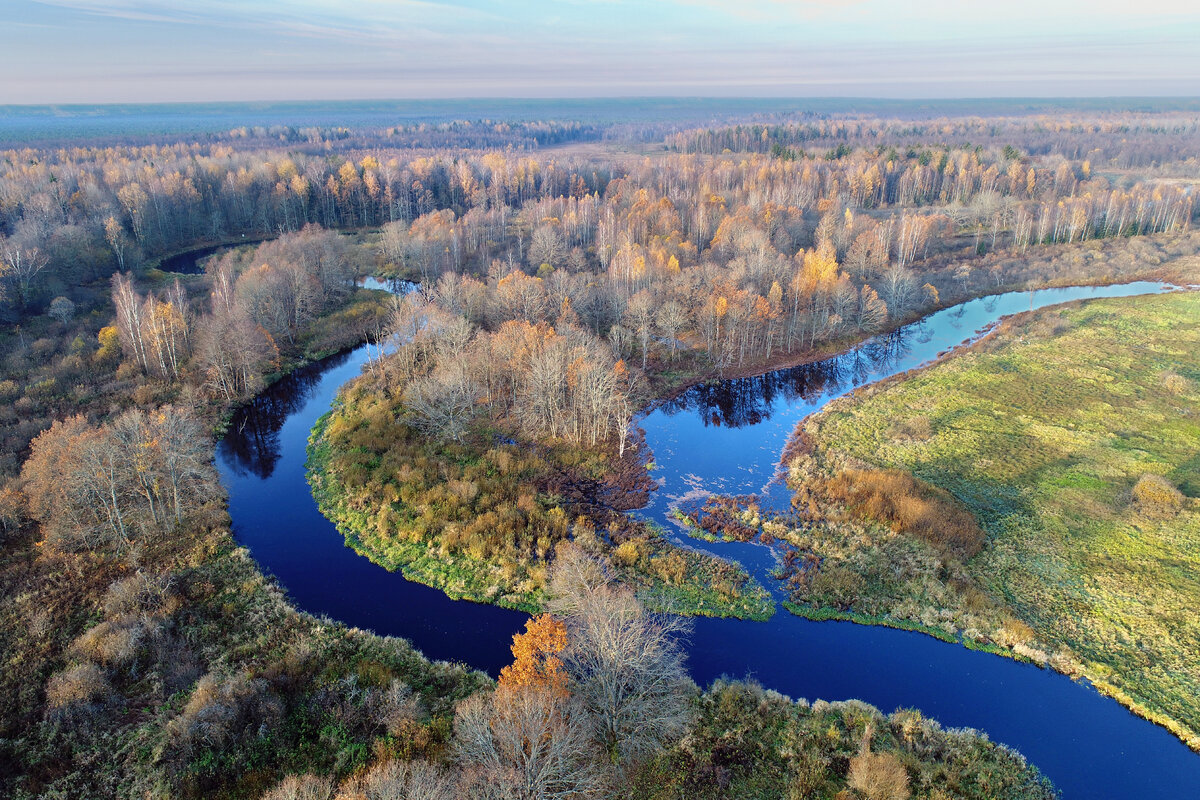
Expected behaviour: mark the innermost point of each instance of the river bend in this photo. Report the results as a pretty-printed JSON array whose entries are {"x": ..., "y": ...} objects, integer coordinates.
[{"x": 723, "y": 437}]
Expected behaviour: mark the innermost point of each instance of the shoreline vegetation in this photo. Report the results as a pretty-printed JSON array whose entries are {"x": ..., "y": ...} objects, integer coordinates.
[
  {"x": 1087, "y": 269},
  {"x": 849, "y": 537},
  {"x": 146, "y": 653},
  {"x": 458, "y": 559},
  {"x": 709, "y": 590}
]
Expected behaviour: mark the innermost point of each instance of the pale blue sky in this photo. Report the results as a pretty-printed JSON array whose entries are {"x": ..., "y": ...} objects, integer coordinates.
[{"x": 59, "y": 51}]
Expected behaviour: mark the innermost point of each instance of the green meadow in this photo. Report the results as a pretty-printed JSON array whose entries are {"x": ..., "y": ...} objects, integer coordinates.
[{"x": 1073, "y": 436}]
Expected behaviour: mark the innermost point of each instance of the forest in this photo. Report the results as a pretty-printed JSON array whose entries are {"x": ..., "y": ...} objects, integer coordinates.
[{"x": 568, "y": 274}]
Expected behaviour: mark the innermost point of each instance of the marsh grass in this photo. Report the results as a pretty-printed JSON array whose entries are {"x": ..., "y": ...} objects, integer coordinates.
[{"x": 1062, "y": 436}]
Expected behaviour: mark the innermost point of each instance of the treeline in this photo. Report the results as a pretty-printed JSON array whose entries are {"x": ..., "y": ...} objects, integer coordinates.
[
  {"x": 479, "y": 134},
  {"x": 1126, "y": 139},
  {"x": 77, "y": 214}
]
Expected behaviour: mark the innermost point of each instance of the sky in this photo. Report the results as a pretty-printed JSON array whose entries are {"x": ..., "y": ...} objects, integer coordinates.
[{"x": 129, "y": 51}]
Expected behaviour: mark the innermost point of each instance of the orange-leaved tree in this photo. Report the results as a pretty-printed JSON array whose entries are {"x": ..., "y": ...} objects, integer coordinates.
[{"x": 535, "y": 653}]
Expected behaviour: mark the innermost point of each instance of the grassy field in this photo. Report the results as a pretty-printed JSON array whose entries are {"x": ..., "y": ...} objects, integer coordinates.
[{"x": 1072, "y": 435}]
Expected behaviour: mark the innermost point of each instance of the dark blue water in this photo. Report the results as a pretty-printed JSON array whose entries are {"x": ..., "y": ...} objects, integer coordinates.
[
  {"x": 726, "y": 437},
  {"x": 189, "y": 262}
]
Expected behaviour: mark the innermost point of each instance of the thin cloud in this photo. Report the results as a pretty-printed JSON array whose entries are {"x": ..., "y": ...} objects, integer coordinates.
[{"x": 220, "y": 48}]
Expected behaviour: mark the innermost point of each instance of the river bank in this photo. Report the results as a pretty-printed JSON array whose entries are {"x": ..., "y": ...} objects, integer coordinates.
[
  {"x": 1079, "y": 403},
  {"x": 1059, "y": 724}
]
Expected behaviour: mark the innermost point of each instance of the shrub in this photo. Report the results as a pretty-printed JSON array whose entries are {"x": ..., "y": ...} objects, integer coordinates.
[
  {"x": 301, "y": 787},
  {"x": 1175, "y": 383},
  {"x": 42, "y": 349},
  {"x": 75, "y": 686},
  {"x": 220, "y": 709},
  {"x": 878, "y": 776},
  {"x": 1156, "y": 496},
  {"x": 627, "y": 553},
  {"x": 109, "y": 339},
  {"x": 112, "y": 643},
  {"x": 135, "y": 594},
  {"x": 44, "y": 388}
]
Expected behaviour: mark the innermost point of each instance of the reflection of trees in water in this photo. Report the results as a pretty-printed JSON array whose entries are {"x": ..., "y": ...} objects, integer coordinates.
[
  {"x": 251, "y": 445},
  {"x": 875, "y": 357},
  {"x": 188, "y": 263},
  {"x": 739, "y": 402},
  {"x": 400, "y": 286}
]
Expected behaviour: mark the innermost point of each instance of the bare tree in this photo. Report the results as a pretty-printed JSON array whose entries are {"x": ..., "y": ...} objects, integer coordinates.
[
  {"x": 233, "y": 352},
  {"x": 401, "y": 780},
  {"x": 639, "y": 315},
  {"x": 546, "y": 247},
  {"x": 869, "y": 311},
  {"x": 899, "y": 291},
  {"x": 525, "y": 743},
  {"x": 62, "y": 309},
  {"x": 77, "y": 483},
  {"x": 114, "y": 234},
  {"x": 670, "y": 319},
  {"x": 130, "y": 322},
  {"x": 20, "y": 264},
  {"x": 442, "y": 404},
  {"x": 301, "y": 787},
  {"x": 626, "y": 664},
  {"x": 185, "y": 473}
]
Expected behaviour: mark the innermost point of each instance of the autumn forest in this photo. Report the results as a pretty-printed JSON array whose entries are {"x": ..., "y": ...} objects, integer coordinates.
[{"x": 522, "y": 295}]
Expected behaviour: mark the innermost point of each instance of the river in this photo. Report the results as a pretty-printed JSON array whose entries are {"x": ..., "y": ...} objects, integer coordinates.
[{"x": 724, "y": 437}]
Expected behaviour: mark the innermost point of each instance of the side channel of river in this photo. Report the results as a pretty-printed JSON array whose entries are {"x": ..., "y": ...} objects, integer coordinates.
[{"x": 722, "y": 438}]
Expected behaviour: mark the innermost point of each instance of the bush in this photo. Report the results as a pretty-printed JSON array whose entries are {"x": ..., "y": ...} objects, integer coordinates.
[
  {"x": 301, "y": 787},
  {"x": 1175, "y": 383},
  {"x": 1154, "y": 495},
  {"x": 75, "y": 686},
  {"x": 42, "y": 349},
  {"x": 220, "y": 710},
  {"x": 136, "y": 594},
  {"x": 45, "y": 388},
  {"x": 114, "y": 643},
  {"x": 878, "y": 776}
]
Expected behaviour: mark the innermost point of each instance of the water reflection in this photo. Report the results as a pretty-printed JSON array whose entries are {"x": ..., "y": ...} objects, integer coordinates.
[
  {"x": 1089, "y": 745},
  {"x": 252, "y": 445},
  {"x": 190, "y": 262},
  {"x": 741, "y": 402}
]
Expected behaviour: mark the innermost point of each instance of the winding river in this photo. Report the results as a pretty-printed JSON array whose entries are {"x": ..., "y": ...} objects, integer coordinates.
[{"x": 723, "y": 437}]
